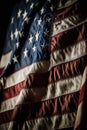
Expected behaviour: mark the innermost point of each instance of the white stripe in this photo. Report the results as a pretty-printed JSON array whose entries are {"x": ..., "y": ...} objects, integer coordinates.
[
  {"x": 8, "y": 104},
  {"x": 5, "y": 126},
  {"x": 4, "y": 60},
  {"x": 68, "y": 54},
  {"x": 51, "y": 123},
  {"x": 61, "y": 4},
  {"x": 56, "y": 58},
  {"x": 84, "y": 76},
  {"x": 53, "y": 90},
  {"x": 80, "y": 107},
  {"x": 48, "y": 123},
  {"x": 79, "y": 115},
  {"x": 67, "y": 24}
]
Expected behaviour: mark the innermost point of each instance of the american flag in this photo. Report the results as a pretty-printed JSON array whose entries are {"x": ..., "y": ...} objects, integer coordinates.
[{"x": 43, "y": 67}]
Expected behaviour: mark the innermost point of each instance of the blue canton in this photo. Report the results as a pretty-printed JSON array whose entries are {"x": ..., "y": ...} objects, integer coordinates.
[{"x": 29, "y": 34}]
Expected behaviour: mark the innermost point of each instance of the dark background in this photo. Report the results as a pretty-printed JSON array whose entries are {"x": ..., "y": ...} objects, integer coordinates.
[{"x": 6, "y": 7}]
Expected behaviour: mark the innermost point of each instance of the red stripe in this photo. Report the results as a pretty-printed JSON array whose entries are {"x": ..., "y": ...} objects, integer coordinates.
[
  {"x": 12, "y": 91},
  {"x": 83, "y": 92},
  {"x": 1, "y": 70},
  {"x": 66, "y": 12},
  {"x": 30, "y": 110},
  {"x": 78, "y": 127},
  {"x": 69, "y": 37},
  {"x": 63, "y": 71},
  {"x": 5, "y": 116}
]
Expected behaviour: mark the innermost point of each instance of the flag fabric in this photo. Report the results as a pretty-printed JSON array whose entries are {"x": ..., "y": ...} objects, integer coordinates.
[{"x": 43, "y": 67}]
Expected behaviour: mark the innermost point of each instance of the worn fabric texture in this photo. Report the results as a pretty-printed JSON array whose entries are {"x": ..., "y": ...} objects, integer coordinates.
[{"x": 43, "y": 66}]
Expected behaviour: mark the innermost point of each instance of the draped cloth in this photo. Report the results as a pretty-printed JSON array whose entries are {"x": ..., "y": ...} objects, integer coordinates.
[{"x": 43, "y": 67}]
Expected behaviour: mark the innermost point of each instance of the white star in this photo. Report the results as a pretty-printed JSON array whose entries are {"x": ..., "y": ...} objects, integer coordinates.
[
  {"x": 25, "y": 52},
  {"x": 43, "y": 45},
  {"x": 21, "y": 34},
  {"x": 31, "y": 6},
  {"x": 15, "y": 59},
  {"x": 24, "y": 14},
  {"x": 30, "y": 39},
  {"x": 16, "y": 33},
  {"x": 49, "y": 0},
  {"x": 12, "y": 36},
  {"x": 37, "y": 36},
  {"x": 26, "y": 20},
  {"x": 51, "y": 8},
  {"x": 39, "y": 21},
  {"x": 19, "y": 13},
  {"x": 17, "y": 45},
  {"x": 12, "y": 20},
  {"x": 27, "y": 1},
  {"x": 34, "y": 48},
  {"x": 46, "y": 32},
  {"x": 48, "y": 19},
  {"x": 42, "y": 10}
]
